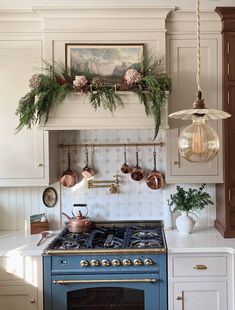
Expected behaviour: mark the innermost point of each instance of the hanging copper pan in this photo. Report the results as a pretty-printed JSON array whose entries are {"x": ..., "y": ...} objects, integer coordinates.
[
  {"x": 155, "y": 179},
  {"x": 138, "y": 172},
  {"x": 69, "y": 177}
]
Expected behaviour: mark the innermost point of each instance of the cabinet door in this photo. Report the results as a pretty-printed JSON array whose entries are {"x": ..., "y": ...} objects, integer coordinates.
[
  {"x": 200, "y": 295},
  {"x": 182, "y": 66},
  {"x": 23, "y": 158},
  {"x": 18, "y": 297}
]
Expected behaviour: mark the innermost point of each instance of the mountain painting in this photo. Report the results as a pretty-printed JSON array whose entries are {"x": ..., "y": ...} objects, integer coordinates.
[{"x": 108, "y": 61}]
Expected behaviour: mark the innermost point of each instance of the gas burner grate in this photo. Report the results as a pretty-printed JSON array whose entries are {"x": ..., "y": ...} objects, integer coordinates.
[{"x": 111, "y": 237}]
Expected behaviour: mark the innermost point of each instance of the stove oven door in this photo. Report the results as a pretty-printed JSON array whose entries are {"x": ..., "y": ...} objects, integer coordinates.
[{"x": 107, "y": 292}]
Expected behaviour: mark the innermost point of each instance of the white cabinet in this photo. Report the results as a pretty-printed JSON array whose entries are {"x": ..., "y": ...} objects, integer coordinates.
[
  {"x": 182, "y": 65},
  {"x": 200, "y": 281},
  {"x": 18, "y": 297},
  {"x": 203, "y": 296},
  {"x": 21, "y": 283},
  {"x": 24, "y": 157}
]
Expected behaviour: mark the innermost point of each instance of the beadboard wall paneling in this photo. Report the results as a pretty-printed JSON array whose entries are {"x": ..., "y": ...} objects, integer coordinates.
[{"x": 18, "y": 203}]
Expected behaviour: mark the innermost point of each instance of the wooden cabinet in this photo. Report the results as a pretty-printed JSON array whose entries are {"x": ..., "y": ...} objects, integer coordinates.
[
  {"x": 24, "y": 157},
  {"x": 21, "y": 283},
  {"x": 200, "y": 281},
  {"x": 225, "y": 193},
  {"x": 182, "y": 65}
]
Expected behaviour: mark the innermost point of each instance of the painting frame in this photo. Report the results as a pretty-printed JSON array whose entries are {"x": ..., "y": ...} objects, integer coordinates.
[{"x": 110, "y": 61}]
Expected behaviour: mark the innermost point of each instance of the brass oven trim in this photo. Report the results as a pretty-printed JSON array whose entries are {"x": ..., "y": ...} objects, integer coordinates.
[
  {"x": 105, "y": 251},
  {"x": 147, "y": 280}
]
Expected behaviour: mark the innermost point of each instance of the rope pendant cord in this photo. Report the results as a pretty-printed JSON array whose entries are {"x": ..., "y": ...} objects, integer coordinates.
[{"x": 198, "y": 46}]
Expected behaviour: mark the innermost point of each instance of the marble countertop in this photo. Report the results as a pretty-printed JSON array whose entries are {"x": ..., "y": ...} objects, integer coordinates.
[
  {"x": 201, "y": 240},
  {"x": 20, "y": 242}
]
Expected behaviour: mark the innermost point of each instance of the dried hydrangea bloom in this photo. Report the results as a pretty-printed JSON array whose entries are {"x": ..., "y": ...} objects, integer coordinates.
[
  {"x": 132, "y": 76},
  {"x": 79, "y": 81}
]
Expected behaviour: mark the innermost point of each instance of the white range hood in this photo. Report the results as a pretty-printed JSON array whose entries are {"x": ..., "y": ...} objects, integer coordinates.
[
  {"x": 127, "y": 22},
  {"x": 76, "y": 113}
]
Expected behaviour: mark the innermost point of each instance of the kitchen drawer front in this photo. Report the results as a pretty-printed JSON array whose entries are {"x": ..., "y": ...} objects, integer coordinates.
[{"x": 200, "y": 266}]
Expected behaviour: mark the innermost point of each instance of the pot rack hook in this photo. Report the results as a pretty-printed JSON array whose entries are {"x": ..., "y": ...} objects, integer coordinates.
[{"x": 154, "y": 150}]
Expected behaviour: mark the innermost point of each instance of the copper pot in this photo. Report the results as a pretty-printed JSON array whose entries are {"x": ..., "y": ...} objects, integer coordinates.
[
  {"x": 80, "y": 223},
  {"x": 125, "y": 168},
  {"x": 137, "y": 173},
  {"x": 155, "y": 179},
  {"x": 69, "y": 177},
  {"x": 87, "y": 172}
]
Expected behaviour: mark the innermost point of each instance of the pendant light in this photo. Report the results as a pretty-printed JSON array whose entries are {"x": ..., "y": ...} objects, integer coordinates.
[{"x": 199, "y": 142}]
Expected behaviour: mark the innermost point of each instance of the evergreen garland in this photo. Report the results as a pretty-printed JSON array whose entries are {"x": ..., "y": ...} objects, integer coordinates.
[{"x": 146, "y": 80}]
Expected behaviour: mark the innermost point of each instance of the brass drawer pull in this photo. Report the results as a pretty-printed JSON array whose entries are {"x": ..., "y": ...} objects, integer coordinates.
[
  {"x": 200, "y": 267},
  {"x": 179, "y": 298}
]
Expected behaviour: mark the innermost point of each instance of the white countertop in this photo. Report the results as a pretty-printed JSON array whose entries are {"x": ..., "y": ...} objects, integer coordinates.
[
  {"x": 201, "y": 240},
  {"x": 20, "y": 242}
]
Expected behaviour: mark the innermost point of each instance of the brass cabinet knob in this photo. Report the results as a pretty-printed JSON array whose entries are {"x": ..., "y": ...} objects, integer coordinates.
[
  {"x": 95, "y": 263},
  {"x": 200, "y": 267},
  {"x": 127, "y": 262},
  {"x": 40, "y": 164},
  {"x": 84, "y": 263},
  {"x": 32, "y": 301},
  {"x": 175, "y": 162},
  {"x": 179, "y": 298},
  {"x": 105, "y": 262},
  {"x": 137, "y": 262},
  {"x": 116, "y": 262},
  {"x": 148, "y": 262}
]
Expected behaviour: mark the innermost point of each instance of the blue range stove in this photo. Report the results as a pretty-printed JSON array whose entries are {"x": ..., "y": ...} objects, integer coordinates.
[{"x": 116, "y": 266}]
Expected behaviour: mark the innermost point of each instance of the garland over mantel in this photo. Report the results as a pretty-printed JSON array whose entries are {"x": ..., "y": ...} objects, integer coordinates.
[{"x": 145, "y": 79}]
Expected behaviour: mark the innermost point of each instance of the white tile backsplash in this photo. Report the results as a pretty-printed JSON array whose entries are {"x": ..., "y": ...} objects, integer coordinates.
[{"x": 135, "y": 201}]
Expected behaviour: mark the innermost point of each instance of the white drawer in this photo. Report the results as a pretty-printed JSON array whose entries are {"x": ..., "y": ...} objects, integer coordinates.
[{"x": 199, "y": 266}]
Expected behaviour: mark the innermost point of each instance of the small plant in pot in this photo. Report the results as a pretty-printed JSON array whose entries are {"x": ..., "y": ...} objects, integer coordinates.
[{"x": 187, "y": 201}]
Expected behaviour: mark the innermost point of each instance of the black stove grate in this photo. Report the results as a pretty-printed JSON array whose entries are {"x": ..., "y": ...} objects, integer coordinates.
[{"x": 111, "y": 237}]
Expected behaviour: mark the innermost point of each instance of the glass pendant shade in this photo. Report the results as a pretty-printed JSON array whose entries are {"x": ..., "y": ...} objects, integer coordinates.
[{"x": 198, "y": 142}]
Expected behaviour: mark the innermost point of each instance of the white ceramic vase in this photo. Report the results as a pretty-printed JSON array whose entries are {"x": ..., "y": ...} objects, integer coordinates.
[{"x": 185, "y": 223}]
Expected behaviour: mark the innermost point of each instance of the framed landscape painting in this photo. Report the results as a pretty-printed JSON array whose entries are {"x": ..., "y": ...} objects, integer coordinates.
[{"x": 107, "y": 60}]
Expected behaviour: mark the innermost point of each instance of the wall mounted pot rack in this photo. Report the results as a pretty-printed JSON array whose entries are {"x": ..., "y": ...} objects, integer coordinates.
[{"x": 161, "y": 144}]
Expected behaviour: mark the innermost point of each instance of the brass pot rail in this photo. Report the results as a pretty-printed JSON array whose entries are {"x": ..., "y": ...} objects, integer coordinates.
[{"x": 161, "y": 144}]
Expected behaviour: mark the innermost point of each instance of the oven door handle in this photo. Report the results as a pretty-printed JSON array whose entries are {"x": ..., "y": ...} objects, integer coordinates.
[{"x": 148, "y": 280}]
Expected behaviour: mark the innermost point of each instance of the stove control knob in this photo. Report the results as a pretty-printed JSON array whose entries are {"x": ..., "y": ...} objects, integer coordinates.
[
  {"x": 137, "y": 262},
  {"x": 105, "y": 262},
  {"x": 95, "y": 263},
  {"x": 148, "y": 262},
  {"x": 127, "y": 262},
  {"x": 116, "y": 262},
  {"x": 84, "y": 263}
]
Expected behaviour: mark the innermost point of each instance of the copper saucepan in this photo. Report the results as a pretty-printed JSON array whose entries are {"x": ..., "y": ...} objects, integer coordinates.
[
  {"x": 87, "y": 172},
  {"x": 155, "y": 179},
  {"x": 137, "y": 173},
  {"x": 69, "y": 177},
  {"x": 125, "y": 168}
]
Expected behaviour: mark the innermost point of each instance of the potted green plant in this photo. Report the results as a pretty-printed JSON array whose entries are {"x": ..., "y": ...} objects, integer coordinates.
[{"x": 187, "y": 201}]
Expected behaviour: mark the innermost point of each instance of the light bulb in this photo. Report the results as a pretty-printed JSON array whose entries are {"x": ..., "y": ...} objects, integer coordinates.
[{"x": 198, "y": 142}]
